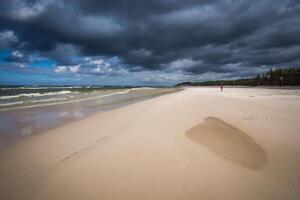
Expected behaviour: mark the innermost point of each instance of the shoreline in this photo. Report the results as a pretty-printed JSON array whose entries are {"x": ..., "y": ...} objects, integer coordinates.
[
  {"x": 109, "y": 102},
  {"x": 241, "y": 86},
  {"x": 183, "y": 145}
]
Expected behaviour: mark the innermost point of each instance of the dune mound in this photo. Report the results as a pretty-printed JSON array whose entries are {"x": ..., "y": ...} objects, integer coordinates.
[{"x": 228, "y": 142}]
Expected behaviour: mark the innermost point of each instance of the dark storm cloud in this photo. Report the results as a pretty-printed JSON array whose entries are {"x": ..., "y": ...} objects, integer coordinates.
[{"x": 193, "y": 36}]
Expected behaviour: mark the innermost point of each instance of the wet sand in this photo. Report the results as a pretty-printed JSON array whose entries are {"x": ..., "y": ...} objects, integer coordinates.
[
  {"x": 243, "y": 143},
  {"x": 20, "y": 122}
]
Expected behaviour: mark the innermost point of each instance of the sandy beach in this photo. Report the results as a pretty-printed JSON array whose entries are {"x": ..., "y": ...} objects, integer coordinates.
[{"x": 198, "y": 143}]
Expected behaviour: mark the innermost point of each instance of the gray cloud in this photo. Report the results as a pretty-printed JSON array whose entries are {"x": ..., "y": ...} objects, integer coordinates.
[
  {"x": 7, "y": 39},
  {"x": 192, "y": 37}
]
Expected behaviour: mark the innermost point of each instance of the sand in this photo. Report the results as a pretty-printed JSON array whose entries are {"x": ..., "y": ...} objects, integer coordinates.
[
  {"x": 229, "y": 143},
  {"x": 199, "y": 143}
]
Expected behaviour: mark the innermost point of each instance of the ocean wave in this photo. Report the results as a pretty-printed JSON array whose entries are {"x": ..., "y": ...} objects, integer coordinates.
[
  {"x": 36, "y": 94},
  {"x": 65, "y": 102},
  {"x": 46, "y": 100},
  {"x": 41, "y": 88},
  {"x": 11, "y": 103},
  {"x": 142, "y": 88}
]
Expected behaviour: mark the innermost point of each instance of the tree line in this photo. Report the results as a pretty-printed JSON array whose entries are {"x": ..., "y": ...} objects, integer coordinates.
[{"x": 273, "y": 77}]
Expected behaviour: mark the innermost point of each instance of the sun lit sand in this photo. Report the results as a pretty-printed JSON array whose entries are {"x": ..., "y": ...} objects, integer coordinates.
[{"x": 199, "y": 143}]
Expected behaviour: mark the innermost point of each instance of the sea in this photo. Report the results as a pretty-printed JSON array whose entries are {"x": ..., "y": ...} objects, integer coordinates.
[{"x": 29, "y": 110}]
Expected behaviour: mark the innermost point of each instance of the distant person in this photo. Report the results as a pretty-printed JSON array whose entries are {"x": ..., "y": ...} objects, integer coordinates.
[{"x": 221, "y": 87}]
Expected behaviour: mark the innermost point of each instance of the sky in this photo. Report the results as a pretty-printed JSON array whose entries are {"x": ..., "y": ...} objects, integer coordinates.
[{"x": 141, "y": 42}]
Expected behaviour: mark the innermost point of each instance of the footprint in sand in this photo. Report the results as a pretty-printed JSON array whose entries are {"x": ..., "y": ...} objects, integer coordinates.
[{"x": 228, "y": 142}]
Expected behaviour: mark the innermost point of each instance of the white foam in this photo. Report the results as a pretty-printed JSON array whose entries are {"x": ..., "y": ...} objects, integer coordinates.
[
  {"x": 36, "y": 94},
  {"x": 142, "y": 88},
  {"x": 40, "y": 88},
  {"x": 11, "y": 103},
  {"x": 72, "y": 101},
  {"x": 47, "y": 100}
]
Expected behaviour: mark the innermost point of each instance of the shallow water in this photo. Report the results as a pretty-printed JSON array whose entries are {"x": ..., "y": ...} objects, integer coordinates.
[{"x": 20, "y": 121}]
